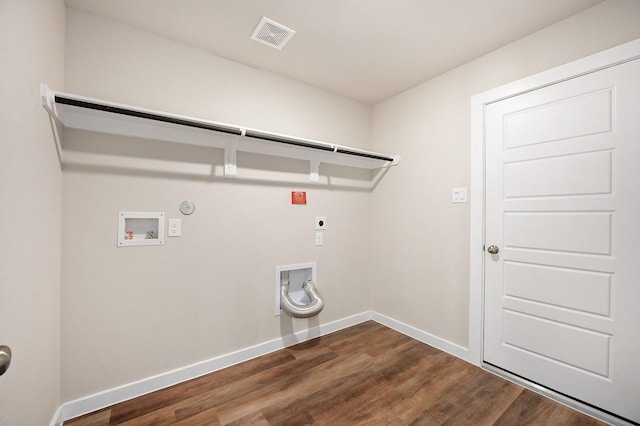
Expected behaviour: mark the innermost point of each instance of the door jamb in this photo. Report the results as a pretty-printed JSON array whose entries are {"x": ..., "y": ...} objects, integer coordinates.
[{"x": 598, "y": 61}]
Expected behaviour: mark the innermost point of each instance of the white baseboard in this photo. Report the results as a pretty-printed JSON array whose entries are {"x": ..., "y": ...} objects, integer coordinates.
[
  {"x": 57, "y": 418},
  {"x": 88, "y": 404},
  {"x": 91, "y": 403},
  {"x": 424, "y": 337}
]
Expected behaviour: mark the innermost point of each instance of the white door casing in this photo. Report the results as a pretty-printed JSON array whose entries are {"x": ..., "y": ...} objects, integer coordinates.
[{"x": 561, "y": 293}]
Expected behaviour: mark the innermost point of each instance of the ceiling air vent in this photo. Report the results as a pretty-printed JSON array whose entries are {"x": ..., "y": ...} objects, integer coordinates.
[{"x": 272, "y": 34}]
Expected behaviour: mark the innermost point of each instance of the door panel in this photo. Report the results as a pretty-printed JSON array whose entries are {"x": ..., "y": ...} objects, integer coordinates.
[
  {"x": 577, "y": 232},
  {"x": 585, "y": 291},
  {"x": 528, "y": 126},
  {"x": 557, "y": 341},
  {"x": 563, "y": 205},
  {"x": 559, "y": 176}
]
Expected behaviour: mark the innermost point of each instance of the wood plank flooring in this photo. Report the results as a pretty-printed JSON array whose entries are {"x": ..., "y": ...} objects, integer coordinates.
[{"x": 364, "y": 375}]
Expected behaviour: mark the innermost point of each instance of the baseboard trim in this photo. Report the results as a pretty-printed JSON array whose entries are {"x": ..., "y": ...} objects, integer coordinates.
[
  {"x": 72, "y": 409},
  {"x": 424, "y": 337},
  {"x": 57, "y": 418},
  {"x": 91, "y": 403}
]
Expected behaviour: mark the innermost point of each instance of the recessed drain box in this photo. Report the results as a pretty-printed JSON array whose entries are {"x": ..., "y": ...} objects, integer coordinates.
[{"x": 299, "y": 273}]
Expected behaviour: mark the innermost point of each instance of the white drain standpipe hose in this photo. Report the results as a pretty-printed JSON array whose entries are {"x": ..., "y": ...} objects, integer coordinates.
[{"x": 300, "y": 311}]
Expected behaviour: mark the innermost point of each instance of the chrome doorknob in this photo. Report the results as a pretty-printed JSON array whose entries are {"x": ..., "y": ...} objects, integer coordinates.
[
  {"x": 5, "y": 359},
  {"x": 493, "y": 249}
]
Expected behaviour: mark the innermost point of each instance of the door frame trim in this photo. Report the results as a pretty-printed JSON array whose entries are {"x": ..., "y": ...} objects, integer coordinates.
[{"x": 608, "y": 58}]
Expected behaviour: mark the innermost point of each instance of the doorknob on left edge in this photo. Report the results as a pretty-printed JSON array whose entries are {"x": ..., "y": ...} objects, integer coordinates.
[
  {"x": 5, "y": 359},
  {"x": 493, "y": 249}
]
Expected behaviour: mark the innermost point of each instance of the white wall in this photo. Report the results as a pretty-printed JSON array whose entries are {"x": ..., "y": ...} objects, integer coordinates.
[
  {"x": 32, "y": 46},
  {"x": 421, "y": 267},
  {"x": 130, "y": 313}
]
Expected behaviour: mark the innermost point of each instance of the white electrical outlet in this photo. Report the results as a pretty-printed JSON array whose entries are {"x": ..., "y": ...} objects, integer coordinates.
[
  {"x": 319, "y": 238},
  {"x": 175, "y": 228}
]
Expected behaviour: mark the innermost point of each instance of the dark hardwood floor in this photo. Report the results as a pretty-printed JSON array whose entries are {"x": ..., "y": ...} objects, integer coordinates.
[{"x": 364, "y": 375}]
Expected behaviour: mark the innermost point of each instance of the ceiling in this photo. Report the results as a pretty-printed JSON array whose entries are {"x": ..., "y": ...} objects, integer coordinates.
[{"x": 367, "y": 50}]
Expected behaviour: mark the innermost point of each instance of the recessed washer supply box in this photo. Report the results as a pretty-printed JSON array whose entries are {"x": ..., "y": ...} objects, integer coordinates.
[
  {"x": 298, "y": 274},
  {"x": 140, "y": 229}
]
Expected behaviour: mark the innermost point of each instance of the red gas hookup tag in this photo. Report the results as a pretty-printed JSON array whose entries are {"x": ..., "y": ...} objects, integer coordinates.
[{"x": 298, "y": 197}]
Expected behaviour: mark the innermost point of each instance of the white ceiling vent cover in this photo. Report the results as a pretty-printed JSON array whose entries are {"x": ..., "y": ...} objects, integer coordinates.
[{"x": 272, "y": 34}]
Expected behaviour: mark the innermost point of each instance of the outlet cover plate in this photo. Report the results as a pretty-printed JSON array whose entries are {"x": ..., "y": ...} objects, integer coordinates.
[
  {"x": 321, "y": 222},
  {"x": 459, "y": 195},
  {"x": 175, "y": 228}
]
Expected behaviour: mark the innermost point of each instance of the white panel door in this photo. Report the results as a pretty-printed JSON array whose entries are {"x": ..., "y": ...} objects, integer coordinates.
[{"x": 562, "y": 295}]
